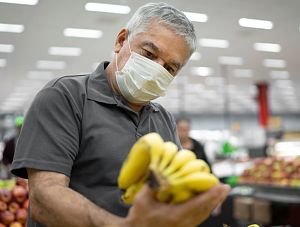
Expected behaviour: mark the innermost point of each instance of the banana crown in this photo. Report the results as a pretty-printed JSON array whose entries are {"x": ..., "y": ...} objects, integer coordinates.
[{"x": 176, "y": 176}]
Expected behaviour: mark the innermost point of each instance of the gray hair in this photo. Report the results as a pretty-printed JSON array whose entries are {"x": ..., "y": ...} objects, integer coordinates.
[{"x": 165, "y": 14}]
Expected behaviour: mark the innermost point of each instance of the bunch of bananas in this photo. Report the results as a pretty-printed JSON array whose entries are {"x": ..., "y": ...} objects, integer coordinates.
[{"x": 176, "y": 176}]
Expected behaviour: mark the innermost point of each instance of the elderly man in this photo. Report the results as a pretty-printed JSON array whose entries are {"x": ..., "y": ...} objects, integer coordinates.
[{"x": 79, "y": 130}]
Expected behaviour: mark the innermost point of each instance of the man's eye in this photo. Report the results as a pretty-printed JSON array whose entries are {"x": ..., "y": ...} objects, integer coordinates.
[
  {"x": 170, "y": 70},
  {"x": 147, "y": 54}
]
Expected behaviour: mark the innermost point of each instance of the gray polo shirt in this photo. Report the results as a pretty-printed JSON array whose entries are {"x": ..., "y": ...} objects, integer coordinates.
[{"x": 77, "y": 126}]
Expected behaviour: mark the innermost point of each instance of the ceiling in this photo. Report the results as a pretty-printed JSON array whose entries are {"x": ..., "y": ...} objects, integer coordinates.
[{"x": 227, "y": 88}]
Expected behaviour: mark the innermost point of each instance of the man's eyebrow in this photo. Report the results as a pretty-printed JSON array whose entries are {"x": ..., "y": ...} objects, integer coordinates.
[{"x": 151, "y": 45}]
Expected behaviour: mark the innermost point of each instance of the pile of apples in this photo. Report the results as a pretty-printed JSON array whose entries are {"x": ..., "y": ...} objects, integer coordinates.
[
  {"x": 14, "y": 205},
  {"x": 273, "y": 171}
]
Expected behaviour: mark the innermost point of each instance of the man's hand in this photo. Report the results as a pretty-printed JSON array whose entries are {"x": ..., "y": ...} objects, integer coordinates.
[{"x": 147, "y": 212}]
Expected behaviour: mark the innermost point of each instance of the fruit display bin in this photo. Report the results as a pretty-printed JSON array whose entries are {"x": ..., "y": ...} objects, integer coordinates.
[{"x": 267, "y": 204}]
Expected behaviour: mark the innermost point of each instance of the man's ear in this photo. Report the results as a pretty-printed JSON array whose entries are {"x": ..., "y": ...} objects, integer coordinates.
[{"x": 122, "y": 36}]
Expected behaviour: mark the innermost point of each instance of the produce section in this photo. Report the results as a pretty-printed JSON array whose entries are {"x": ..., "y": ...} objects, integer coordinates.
[
  {"x": 13, "y": 202},
  {"x": 273, "y": 171}
]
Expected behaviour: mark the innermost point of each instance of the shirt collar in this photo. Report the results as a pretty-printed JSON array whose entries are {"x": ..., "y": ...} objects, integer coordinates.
[{"x": 98, "y": 89}]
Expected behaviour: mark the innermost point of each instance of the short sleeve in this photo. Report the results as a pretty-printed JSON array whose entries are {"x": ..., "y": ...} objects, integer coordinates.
[{"x": 50, "y": 136}]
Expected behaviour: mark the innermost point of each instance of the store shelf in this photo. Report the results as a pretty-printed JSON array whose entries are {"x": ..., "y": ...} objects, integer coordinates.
[{"x": 279, "y": 194}]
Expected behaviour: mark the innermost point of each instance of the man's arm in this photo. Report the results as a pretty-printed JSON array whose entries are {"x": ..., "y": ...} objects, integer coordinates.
[{"x": 53, "y": 203}]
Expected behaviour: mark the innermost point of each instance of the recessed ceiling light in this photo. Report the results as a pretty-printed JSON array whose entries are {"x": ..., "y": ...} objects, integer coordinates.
[
  {"x": 15, "y": 28},
  {"x": 201, "y": 71},
  {"x": 268, "y": 47},
  {"x": 6, "y": 48},
  {"x": 254, "y": 23},
  {"x": 51, "y": 65},
  {"x": 274, "y": 63},
  {"x": 279, "y": 74},
  {"x": 107, "y": 8},
  {"x": 3, "y": 62},
  {"x": 82, "y": 33},
  {"x": 64, "y": 51},
  {"x": 22, "y": 2},
  {"x": 243, "y": 73},
  {"x": 229, "y": 60},
  {"x": 218, "y": 43},
  {"x": 197, "y": 17},
  {"x": 196, "y": 56}
]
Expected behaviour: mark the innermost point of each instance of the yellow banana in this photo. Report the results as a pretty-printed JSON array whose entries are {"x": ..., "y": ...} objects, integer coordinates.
[
  {"x": 136, "y": 164},
  {"x": 170, "y": 149},
  {"x": 181, "y": 195},
  {"x": 156, "y": 148},
  {"x": 131, "y": 191},
  {"x": 196, "y": 165},
  {"x": 181, "y": 157},
  {"x": 176, "y": 176},
  {"x": 198, "y": 181},
  {"x": 253, "y": 225}
]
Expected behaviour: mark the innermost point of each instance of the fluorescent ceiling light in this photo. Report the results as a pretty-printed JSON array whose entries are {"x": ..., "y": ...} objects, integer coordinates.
[
  {"x": 40, "y": 75},
  {"x": 268, "y": 47},
  {"x": 243, "y": 73},
  {"x": 3, "y": 62},
  {"x": 228, "y": 60},
  {"x": 279, "y": 74},
  {"x": 51, "y": 65},
  {"x": 197, "y": 17},
  {"x": 218, "y": 43},
  {"x": 21, "y": 2},
  {"x": 15, "y": 28},
  {"x": 284, "y": 83},
  {"x": 64, "y": 51},
  {"x": 82, "y": 33},
  {"x": 196, "y": 56},
  {"x": 7, "y": 48},
  {"x": 274, "y": 63},
  {"x": 107, "y": 8},
  {"x": 254, "y": 23},
  {"x": 201, "y": 71}
]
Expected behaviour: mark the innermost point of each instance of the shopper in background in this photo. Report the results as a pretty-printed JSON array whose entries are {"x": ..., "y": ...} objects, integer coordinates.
[
  {"x": 183, "y": 127},
  {"x": 10, "y": 144},
  {"x": 79, "y": 129}
]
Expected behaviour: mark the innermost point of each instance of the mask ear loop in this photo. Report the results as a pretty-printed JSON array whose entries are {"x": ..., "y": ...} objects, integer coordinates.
[
  {"x": 117, "y": 54},
  {"x": 117, "y": 62}
]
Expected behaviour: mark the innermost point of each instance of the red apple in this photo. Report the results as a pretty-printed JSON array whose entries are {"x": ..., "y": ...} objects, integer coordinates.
[
  {"x": 19, "y": 193},
  {"x": 13, "y": 207},
  {"x": 22, "y": 182},
  {"x": 26, "y": 204},
  {"x": 5, "y": 195},
  {"x": 7, "y": 217},
  {"x": 15, "y": 224},
  {"x": 3, "y": 206},
  {"x": 21, "y": 215}
]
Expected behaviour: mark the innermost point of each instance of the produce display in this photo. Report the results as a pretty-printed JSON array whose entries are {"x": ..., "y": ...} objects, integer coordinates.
[
  {"x": 273, "y": 171},
  {"x": 176, "y": 176},
  {"x": 13, "y": 202}
]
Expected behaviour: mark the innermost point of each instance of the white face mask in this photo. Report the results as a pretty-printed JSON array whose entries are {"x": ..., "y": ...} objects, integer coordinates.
[{"x": 141, "y": 79}]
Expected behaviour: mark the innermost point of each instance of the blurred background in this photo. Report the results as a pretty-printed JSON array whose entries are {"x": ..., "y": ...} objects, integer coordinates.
[{"x": 239, "y": 92}]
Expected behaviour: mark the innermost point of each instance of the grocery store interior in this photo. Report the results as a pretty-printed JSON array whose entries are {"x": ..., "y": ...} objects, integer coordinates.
[{"x": 239, "y": 92}]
